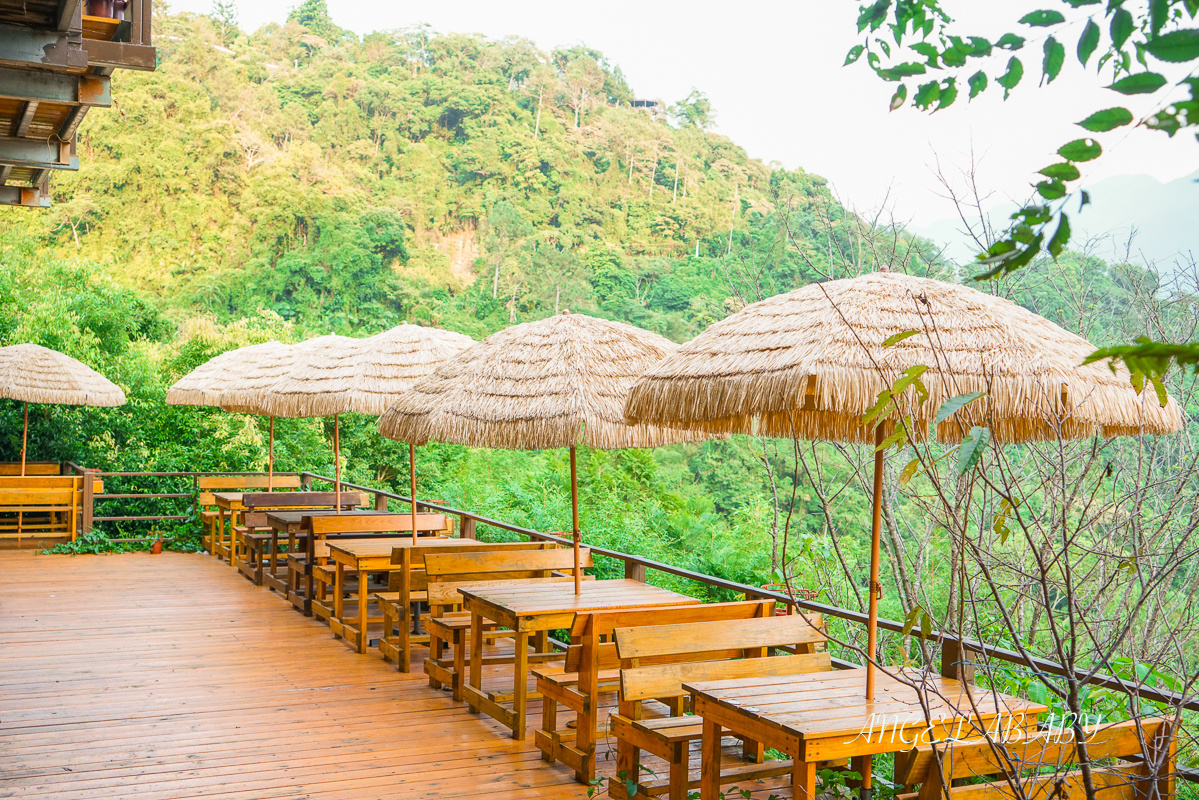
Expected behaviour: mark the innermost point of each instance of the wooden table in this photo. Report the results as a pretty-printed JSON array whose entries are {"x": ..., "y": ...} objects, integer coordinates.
[
  {"x": 228, "y": 505},
  {"x": 293, "y": 523},
  {"x": 824, "y": 715},
  {"x": 539, "y": 608},
  {"x": 365, "y": 556}
]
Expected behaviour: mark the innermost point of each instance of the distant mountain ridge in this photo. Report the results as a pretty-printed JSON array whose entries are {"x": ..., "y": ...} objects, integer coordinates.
[{"x": 1162, "y": 215}]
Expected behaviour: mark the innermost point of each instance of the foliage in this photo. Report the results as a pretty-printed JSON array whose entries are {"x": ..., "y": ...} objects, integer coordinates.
[{"x": 1135, "y": 50}]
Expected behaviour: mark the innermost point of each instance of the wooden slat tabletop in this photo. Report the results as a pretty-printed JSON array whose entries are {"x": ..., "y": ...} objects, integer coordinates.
[
  {"x": 359, "y": 548},
  {"x": 544, "y": 598},
  {"x": 827, "y": 704}
]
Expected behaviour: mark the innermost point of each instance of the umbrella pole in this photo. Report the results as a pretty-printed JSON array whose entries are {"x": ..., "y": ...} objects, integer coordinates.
[
  {"x": 270, "y": 460},
  {"x": 574, "y": 518},
  {"x": 412, "y": 475},
  {"x": 336, "y": 468},
  {"x": 875, "y": 590},
  {"x": 24, "y": 439}
]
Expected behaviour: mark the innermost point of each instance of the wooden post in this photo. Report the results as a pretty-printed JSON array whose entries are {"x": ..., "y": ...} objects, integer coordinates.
[
  {"x": 634, "y": 571},
  {"x": 954, "y": 658},
  {"x": 380, "y": 501},
  {"x": 89, "y": 488},
  {"x": 467, "y": 527},
  {"x": 24, "y": 439},
  {"x": 574, "y": 518}
]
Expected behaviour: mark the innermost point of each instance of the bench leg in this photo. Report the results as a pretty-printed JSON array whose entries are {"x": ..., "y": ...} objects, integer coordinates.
[
  {"x": 628, "y": 767},
  {"x": 549, "y": 721},
  {"x": 803, "y": 780},
  {"x": 476, "y": 654},
  {"x": 460, "y": 660},
  {"x": 678, "y": 772}
]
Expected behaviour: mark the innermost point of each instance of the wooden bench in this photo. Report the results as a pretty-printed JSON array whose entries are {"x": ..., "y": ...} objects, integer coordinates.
[
  {"x": 13, "y": 468},
  {"x": 211, "y": 520},
  {"x": 655, "y": 663},
  {"x": 592, "y": 667},
  {"x": 408, "y": 587},
  {"x": 352, "y": 526},
  {"x": 1042, "y": 761},
  {"x": 41, "y": 503},
  {"x": 447, "y": 573}
]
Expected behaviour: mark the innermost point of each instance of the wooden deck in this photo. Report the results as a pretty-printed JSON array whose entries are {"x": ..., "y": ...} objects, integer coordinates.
[{"x": 169, "y": 677}]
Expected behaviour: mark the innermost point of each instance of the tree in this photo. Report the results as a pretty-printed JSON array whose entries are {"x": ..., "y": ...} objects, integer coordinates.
[
  {"x": 314, "y": 15},
  {"x": 582, "y": 79},
  {"x": 695, "y": 110},
  {"x": 506, "y": 229},
  {"x": 1138, "y": 44}
]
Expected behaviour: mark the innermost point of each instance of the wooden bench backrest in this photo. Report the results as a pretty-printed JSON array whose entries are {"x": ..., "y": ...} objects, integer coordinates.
[
  {"x": 376, "y": 523},
  {"x": 31, "y": 468},
  {"x": 973, "y": 758},
  {"x": 39, "y": 490},
  {"x": 409, "y": 562},
  {"x": 589, "y": 626},
  {"x": 715, "y": 650},
  {"x": 39, "y": 482},
  {"x": 208, "y": 484},
  {"x": 449, "y": 571},
  {"x": 301, "y": 499}
]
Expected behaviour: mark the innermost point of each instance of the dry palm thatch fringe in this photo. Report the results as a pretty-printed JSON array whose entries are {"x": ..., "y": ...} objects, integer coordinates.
[
  {"x": 31, "y": 373},
  {"x": 319, "y": 382},
  {"x": 810, "y": 362},
  {"x": 553, "y": 383},
  {"x": 232, "y": 380},
  {"x": 397, "y": 359}
]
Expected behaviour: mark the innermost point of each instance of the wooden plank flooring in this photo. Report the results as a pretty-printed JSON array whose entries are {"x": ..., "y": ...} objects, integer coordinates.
[{"x": 170, "y": 677}]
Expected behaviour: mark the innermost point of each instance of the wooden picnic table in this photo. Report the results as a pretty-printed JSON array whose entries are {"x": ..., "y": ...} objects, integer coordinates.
[
  {"x": 537, "y": 608},
  {"x": 365, "y": 556},
  {"x": 294, "y": 524},
  {"x": 231, "y": 505},
  {"x": 824, "y": 715}
]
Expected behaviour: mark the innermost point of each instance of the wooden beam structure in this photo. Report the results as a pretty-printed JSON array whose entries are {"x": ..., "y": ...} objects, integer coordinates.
[{"x": 41, "y": 86}]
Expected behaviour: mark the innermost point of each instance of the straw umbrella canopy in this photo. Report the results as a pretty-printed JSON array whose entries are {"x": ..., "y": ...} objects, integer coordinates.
[
  {"x": 556, "y": 383},
  {"x": 393, "y": 362},
  {"x": 319, "y": 381},
  {"x": 811, "y": 362},
  {"x": 30, "y": 373},
  {"x": 235, "y": 381}
]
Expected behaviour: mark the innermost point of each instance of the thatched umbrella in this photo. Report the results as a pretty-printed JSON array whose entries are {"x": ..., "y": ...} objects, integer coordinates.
[
  {"x": 320, "y": 381},
  {"x": 395, "y": 361},
  {"x": 810, "y": 362},
  {"x": 558, "y": 382},
  {"x": 31, "y": 373},
  {"x": 235, "y": 381}
]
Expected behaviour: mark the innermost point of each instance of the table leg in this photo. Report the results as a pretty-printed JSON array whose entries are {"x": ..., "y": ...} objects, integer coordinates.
[
  {"x": 339, "y": 576},
  {"x": 709, "y": 784},
  {"x": 803, "y": 780},
  {"x": 476, "y": 656},
  {"x": 520, "y": 688},
  {"x": 361, "y": 608}
]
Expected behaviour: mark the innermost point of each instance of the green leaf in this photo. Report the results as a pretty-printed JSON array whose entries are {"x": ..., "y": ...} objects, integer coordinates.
[
  {"x": 979, "y": 47},
  {"x": 1081, "y": 3},
  {"x": 898, "y": 436},
  {"x": 909, "y": 471},
  {"x": 854, "y": 54},
  {"x": 899, "y": 337},
  {"x": 1107, "y": 119},
  {"x": 1084, "y": 199},
  {"x": 1159, "y": 12},
  {"x": 1004, "y": 258},
  {"x": 909, "y": 621},
  {"x": 926, "y": 95},
  {"x": 1009, "y": 79},
  {"x": 873, "y": 16},
  {"x": 949, "y": 93},
  {"x": 881, "y": 404},
  {"x": 1055, "y": 56},
  {"x": 1010, "y": 41},
  {"x": 1080, "y": 150},
  {"x": 1176, "y": 46},
  {"x": 1051, "y": 190},
  {"x": 953, "y": 405},
  {"x": 1062, "y": 172},
  {"x": 897, "y": 99},
  {"x": 1037, "y": 693},
  {"x": 900, "y": 71},
  {"x": 1088, "y": 42},
  {"x": 1043, "y": 18},
  {"x": 928, "y": 51},
  {"x": 1061, "y": 237},
  {"x": 1121, "y": 28},
  {"x": 971, "y": 449},
  {"x": 910, "y": 376},
  {"x": 1141, "y": 83},
  {"x": 978, "y": 82},
  {"x": 926, "y": 626}
]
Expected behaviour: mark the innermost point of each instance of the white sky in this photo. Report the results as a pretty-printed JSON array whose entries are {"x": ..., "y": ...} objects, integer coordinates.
[{"x": 772, "y": 69}]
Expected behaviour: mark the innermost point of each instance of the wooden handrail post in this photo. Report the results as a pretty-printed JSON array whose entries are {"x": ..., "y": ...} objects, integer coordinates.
[
  {"x": 955, "y": 661},
  {"x": 468, "y": 527},
  {"x": 380, "y": 502},
  {"x": 87, "y": 502},
  {"x": 634, "y": 570}
]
